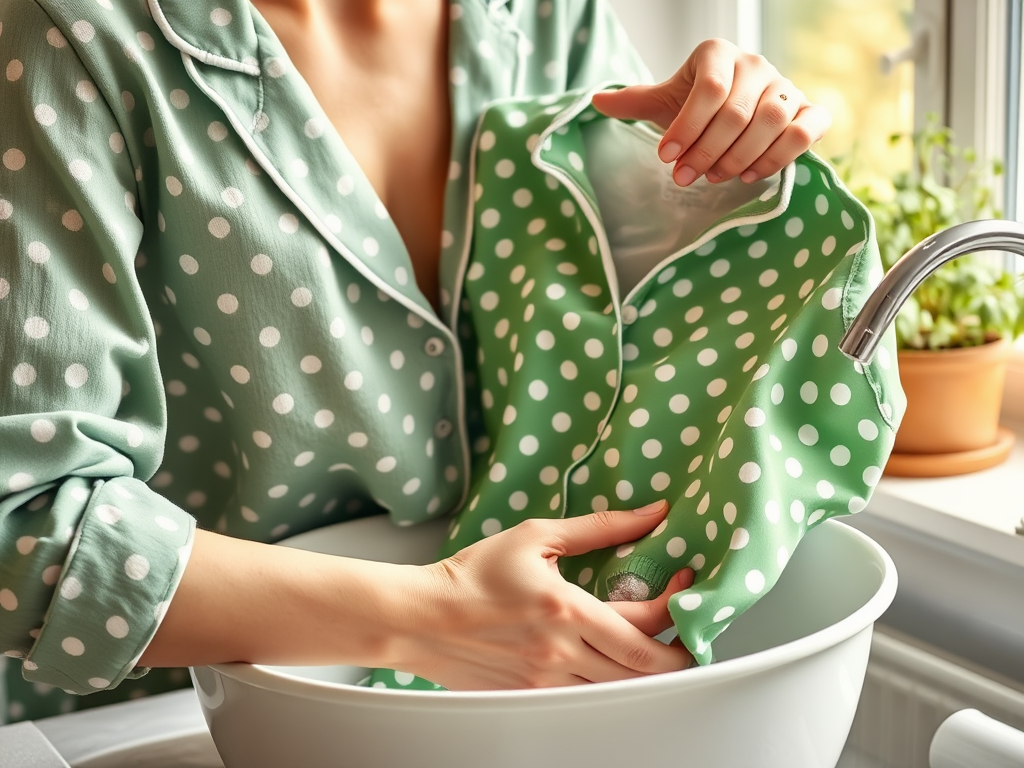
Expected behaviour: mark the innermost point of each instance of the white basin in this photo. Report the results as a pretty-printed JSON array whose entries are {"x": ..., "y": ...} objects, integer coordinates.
[{"x": 782, "y": 693}]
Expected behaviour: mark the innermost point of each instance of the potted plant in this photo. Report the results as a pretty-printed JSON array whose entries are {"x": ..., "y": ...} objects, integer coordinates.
[{"x": 954, "y": 335}]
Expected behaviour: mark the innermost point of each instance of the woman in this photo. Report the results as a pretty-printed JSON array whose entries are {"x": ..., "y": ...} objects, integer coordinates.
[{"x": 228, "y": 234}]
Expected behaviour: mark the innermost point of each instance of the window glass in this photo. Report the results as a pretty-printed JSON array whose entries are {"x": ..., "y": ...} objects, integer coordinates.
[{"x": 832, "y": 50}]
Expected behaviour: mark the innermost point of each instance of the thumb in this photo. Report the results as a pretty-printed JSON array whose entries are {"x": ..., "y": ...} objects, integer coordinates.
[
  {"x": 578, "y": 535},
  {"x": 654, "y": 103}
]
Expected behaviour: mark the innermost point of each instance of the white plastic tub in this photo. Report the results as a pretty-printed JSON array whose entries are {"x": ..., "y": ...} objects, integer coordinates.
[{"x": 782, "y": 695}]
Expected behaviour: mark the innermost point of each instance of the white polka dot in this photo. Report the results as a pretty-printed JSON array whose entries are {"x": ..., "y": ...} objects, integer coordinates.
[
  {"x": 75, "y": 375},
  {"x": 24, "y": 374},
  {"x": 639, "y": 417},
  {"x": 724, "y": 614},
  {"x": 809, "y": 392},
  {"x": 868, "y": 429},
  {"x": 825, "y": 489},
  {"x": 755, "y": 417},
  {"x": 45, "y": 115},
  {"x": 750, "y": 472},
  {"x": 72, "y": 646},
  {"x": 690, "y": 436},
  {"x": 55, "y": 38},
  {"x": 270, "y": 336},
  {"x": 651, "y": 449},
  {"x": 220, "y": 17},
  {"x": 37, "y": 328},
  {"x": 730, "y": 295},
  {"x": 240, "y": 374},
  {"x": 136, "y": 567},
  {"x": 14, "y": 159},
  {"x": 808, "y": 435},
  {"x": 232, "y": 197},
  {"x": 797, "y": 511},
  {"x": 840, "y": 394},
  {"x": 688, "y": 601},
  {"x": 518, "y": 501},
  {"x": 755, "y": 582},
  {"x": 219, "y": 227},
  {"x": 707, "y": 357},
  {"x": 288, "y": 223},
  {"x": 840, "y": 455},
  {"x": 832, "y": 298},
  {"x": 624, "y": 490},
  {"x": 353, "y": 380},
  {"x": 302, "y": 297},
  {"x": 227, "y": 303},
  {"x": 83, "y": 30},
  {"x": 529, "y": 445}
]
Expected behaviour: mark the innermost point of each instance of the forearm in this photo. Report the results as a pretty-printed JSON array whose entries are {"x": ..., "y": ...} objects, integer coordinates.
[{"x": 243, "y": 601}]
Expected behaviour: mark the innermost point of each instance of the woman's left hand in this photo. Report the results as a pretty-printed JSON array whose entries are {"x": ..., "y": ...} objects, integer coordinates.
[{"x": 726, "y": 113}]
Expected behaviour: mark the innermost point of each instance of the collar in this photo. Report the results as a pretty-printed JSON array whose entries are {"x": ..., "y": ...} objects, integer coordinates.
[
  {"x": 225, "y": 36},
  {"x": 222, "y": 37}
]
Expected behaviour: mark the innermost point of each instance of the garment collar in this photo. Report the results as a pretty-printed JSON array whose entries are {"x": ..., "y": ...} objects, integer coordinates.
[{"x": 222, "y": 36}]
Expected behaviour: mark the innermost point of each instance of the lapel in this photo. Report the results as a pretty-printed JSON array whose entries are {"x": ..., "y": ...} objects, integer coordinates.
[{"x": 234, "y": 57}]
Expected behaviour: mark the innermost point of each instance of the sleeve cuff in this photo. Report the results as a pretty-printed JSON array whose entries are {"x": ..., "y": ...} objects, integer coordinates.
[{"x": 126, "y": 561}]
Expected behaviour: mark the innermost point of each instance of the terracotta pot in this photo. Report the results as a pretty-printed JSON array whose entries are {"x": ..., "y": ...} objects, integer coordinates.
[{"x": 953, "y": 398}]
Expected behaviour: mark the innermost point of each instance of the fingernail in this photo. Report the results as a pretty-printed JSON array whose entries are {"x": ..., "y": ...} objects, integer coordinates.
[
  {"x": 651, "y": 509},
  {"x": 748, "y": 176},
  {"x": 713, "y": 176},
  {"x": 685, "y": 176},
  {"x": 669, "y": 152}
]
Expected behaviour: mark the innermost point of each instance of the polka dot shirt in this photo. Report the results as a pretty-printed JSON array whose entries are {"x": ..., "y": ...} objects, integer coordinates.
[
  {"x": 715, "y": 382},
  {"x": 210, "y": 317}
]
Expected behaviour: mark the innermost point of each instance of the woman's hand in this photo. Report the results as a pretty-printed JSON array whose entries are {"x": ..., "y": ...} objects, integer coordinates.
[
  {"x": 726, "y": 113},
  {"x": 505, "y": 618}
]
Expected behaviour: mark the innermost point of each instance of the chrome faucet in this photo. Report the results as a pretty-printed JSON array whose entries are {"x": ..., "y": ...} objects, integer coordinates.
[{"x": 885, "y": 302}]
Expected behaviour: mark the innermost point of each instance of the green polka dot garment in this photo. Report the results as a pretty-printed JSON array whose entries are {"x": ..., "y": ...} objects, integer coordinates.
[
  {"x": 209, "y": 317},
  {"x": 715, "y": 382}
]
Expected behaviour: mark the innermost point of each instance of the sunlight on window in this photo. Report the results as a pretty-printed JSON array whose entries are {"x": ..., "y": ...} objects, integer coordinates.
[{"x": 832, "y": 50}]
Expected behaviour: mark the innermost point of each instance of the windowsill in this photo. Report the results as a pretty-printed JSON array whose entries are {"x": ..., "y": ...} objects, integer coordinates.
[{"x": 980, "y": 511}]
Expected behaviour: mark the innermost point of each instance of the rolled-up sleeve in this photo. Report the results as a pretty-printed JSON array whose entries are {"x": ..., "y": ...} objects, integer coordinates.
[{"x": 89, "y": 555}]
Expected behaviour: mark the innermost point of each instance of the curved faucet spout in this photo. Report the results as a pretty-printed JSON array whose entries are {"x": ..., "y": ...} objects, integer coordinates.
[{"x": 881, "y": 308}]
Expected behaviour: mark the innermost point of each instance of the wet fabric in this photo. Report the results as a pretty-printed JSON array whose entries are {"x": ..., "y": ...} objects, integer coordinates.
[{"x": 715, "y": 381}]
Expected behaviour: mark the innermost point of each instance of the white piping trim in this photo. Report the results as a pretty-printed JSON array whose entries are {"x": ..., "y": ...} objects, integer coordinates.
[
  {"x": 360, "y": 267},
  {"x": 604, "y": 248},
  {"x": 786, "y": 192},
  {"x": 197, "y": 53},
  {"x": 460, "y": 270}
]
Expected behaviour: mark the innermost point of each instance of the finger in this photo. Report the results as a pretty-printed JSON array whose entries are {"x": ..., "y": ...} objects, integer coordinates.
[
  {"x": 780, "y": 103},
  {"x": 807, "y": 128},
  {"x": 713, "y": 79},
  {"x": 678, "y": 643},
  {"x": 578, "y": 535},
  {"x": 651, "y": 616},
  {"x": 613, "y": 636},
  {"x": 655, "y": 103},
  {"x": 725, "y": 127},
  {"x": 595, "y": 667}
]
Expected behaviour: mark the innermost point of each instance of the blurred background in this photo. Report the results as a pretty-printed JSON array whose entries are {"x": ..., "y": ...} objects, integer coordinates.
[{"x": 879, "y": 66}]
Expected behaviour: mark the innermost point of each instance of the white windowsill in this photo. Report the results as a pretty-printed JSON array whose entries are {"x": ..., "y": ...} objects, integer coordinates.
[{"x": 979, "y": 511}]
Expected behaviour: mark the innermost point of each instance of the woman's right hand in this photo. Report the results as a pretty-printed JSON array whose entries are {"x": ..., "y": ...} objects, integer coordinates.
[{"x": 501, "y": 616}]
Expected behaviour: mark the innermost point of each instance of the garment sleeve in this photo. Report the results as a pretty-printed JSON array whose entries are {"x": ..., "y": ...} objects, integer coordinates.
[{"x": 89, "y": 555}]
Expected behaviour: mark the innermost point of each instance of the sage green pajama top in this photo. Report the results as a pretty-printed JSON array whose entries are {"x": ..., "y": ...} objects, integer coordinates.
[
  {"x": 208, "y": 316},
  {"x": 634, "y": 341}
]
